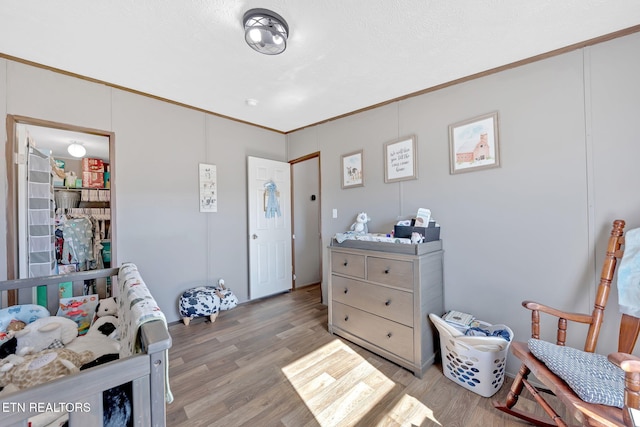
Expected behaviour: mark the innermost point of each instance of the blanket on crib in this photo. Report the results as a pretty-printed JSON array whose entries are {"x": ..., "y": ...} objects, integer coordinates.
[
  {"x": 629, "y": 275},
  {"x": 137, "y": 307}
]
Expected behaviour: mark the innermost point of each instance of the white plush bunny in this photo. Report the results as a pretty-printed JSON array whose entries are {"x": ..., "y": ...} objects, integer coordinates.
[{"x": 360, "y": 226}]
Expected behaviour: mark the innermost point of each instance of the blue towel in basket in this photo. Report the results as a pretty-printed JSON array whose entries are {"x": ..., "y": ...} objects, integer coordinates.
[{"x": 479, "y": 332}]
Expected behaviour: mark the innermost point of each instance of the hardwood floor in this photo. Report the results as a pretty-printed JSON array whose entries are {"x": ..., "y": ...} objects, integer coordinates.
[{"x": 272, "y": 362}]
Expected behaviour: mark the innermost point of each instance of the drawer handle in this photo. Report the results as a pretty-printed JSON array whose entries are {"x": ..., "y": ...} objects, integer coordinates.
[
  {"x": 387, "y": 271},
  {"x": 388, "y": 303},
  {"x": 346, "y": 318},
  {"x": 389, "y": 335},
  {"x": 346, "y": 290},
  {"x": 345, "y": 263}
]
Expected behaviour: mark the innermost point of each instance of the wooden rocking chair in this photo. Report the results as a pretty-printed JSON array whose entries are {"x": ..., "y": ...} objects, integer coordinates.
[{"x": 586, "y": 413}]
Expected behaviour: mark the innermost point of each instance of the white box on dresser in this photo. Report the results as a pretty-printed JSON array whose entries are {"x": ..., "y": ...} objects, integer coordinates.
[{"x": 381, "y": 299}]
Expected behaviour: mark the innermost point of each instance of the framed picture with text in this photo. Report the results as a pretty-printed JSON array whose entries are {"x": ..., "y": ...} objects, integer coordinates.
[{"x": 400, "y": 159}]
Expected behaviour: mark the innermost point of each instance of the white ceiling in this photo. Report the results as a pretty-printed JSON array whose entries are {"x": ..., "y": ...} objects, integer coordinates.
[
  {"x": 56, "y": 141},
  {"x": 342, "y": 55}
]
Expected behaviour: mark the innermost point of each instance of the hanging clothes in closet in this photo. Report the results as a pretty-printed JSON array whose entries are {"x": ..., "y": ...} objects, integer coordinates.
[{"x": 79, "y": 238}]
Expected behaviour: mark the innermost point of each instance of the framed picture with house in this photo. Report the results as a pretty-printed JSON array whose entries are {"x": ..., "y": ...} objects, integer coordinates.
[{"x": 474, "y": 144}]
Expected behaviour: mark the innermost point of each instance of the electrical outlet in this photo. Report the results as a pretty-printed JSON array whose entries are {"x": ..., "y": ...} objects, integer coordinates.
[{"x": 335, "y": 213}]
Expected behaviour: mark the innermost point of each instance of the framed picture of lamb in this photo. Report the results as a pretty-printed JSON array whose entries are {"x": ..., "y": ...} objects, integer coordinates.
[
  {"x": 352, "y": 170},
  {"x": 474, "y": 144}
]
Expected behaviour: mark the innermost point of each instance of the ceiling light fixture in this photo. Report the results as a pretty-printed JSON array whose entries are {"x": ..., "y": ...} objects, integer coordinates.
[
  {"x": 265, "y": 31},
  {"x": 76, "y": 149}
]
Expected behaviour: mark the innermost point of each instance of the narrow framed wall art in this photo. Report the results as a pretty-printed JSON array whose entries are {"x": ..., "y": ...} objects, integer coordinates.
[{"x": 208, "y": 188}]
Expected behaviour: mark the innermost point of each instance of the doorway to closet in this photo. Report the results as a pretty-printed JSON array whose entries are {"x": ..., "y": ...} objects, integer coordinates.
[
  {"x": 43, "y": 179},
  {"x": 306, "y": 207}
]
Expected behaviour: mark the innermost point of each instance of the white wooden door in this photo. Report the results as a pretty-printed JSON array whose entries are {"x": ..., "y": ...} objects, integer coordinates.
[{"x": 269, "y": 227}]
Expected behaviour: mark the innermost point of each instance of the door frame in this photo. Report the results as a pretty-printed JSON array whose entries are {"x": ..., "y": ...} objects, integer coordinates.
[
  {"x": 293, "y": 213},
  {"x": 12, "y": 161}
]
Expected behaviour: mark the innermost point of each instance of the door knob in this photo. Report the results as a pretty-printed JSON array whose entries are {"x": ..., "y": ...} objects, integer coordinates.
[{"x": 254, "y": 237}]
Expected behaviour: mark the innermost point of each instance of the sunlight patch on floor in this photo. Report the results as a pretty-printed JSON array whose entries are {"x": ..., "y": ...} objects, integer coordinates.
[
  {"x": 359, "y": 385},
  {"x": 410, "y": 410}
]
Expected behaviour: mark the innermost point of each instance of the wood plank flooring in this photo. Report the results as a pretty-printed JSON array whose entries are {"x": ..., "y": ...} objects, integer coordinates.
[{"x": 272, "y": 362}]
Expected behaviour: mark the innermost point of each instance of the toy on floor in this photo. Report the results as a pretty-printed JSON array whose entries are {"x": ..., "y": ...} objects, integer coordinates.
[
  {"x": 360, "y": 226},
  {"x": 228, "y": 300},
  {"x": 199, "y": 301}
]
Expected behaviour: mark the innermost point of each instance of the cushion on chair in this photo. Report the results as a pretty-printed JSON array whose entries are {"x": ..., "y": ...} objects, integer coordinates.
[{"x": 591, "y": 376}]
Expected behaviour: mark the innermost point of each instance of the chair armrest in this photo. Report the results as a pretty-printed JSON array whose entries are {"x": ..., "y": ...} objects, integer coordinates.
[
  {"x": 628, "y": 362},
  {"x": 574, "y": 317}
]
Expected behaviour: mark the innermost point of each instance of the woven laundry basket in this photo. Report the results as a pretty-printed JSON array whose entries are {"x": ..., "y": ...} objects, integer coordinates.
[{"x": 475, "y": 363}]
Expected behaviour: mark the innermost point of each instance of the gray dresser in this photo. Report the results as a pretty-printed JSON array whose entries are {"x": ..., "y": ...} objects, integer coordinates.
[{"x": 381, "y": 300}]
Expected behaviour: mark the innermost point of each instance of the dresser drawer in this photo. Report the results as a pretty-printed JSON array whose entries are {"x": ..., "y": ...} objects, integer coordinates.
[
  {"x": 390, "y": 336},
  {"x": 392, "y": 304},
  {"x": 390, "y": 272},
  {"x": 349, "y": 264}
]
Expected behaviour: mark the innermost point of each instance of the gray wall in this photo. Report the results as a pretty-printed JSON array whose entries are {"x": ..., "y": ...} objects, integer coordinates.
[
  {"x": 158, "y": 146},
  {"x": 536, "y": 227}
]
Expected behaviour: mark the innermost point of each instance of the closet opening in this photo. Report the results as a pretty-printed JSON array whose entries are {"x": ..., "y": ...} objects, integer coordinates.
[
  {"x": 60, "y": 207},
  {"x": 306, "y": 220}
]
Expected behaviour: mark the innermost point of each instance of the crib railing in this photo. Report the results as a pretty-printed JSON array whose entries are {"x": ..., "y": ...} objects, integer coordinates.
[
  {"x": 80, "y": 394},
  {"x": 25, "y": 287}
]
